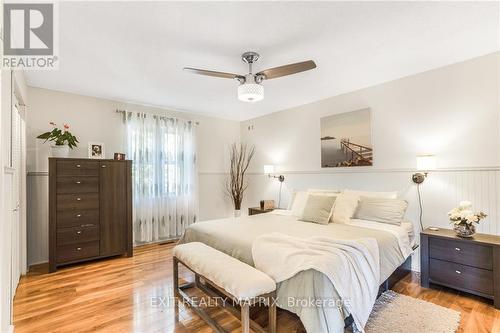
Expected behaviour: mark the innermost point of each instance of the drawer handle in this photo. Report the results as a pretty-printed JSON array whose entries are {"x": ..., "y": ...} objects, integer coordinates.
[
  {"x": 78, "y": 216},
  {"x": 78, "y": 199},
  {"x": 78, "y": 248},
  {"x": 458, "y": 272},
  {"x": 457, "y": 249},
  {"x": 78, "y": 166},
  {"x": 79, "y": 232},
  {"x": 103, "y": 166},
  {"x": 87, "y": 225},
  {"x": 78, "y": 182}
]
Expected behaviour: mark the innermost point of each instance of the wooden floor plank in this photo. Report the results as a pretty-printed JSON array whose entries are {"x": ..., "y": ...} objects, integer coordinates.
[{"x": 135, "y": 295}]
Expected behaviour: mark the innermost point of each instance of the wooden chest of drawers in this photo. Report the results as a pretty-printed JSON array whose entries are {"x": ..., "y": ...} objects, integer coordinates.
[
  {"x": 467, "y": 264},
  {"x": 90, "y": 210}
]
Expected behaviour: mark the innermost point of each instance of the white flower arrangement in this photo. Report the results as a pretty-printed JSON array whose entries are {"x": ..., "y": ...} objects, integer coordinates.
[{"x": 463, "y": 214}]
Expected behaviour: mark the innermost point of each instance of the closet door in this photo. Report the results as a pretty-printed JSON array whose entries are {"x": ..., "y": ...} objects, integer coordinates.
[
  {"x": 113, "y": 207},
  {"x": 16, "y": 160}
]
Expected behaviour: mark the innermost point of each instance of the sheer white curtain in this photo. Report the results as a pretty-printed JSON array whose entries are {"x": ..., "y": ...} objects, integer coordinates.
[{"x": 164, "y": 175}]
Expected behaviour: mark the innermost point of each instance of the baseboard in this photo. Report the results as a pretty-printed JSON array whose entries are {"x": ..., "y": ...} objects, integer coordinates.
[
  {"x": 38, "y": 267},
  {"x": 41, "y": 267}
]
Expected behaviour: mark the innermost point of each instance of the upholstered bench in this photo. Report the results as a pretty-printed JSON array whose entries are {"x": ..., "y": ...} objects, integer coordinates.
[{"x": 243, "y": 284}]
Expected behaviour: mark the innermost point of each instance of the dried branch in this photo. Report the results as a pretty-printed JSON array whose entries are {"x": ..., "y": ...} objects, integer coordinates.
[{"x": 240, "y": 158}]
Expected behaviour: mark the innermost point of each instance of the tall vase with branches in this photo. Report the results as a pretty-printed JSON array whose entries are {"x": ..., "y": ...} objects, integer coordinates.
[{"x": 240, "y": 157}]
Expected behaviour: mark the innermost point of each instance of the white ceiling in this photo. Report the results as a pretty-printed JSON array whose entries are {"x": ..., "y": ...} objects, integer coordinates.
[{"x": 135, "y": 51}]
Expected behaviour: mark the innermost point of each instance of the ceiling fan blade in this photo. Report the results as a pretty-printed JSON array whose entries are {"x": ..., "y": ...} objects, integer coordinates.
[
  {"x": 280, "y": 71},
  {"x": 213, "y": 73}
]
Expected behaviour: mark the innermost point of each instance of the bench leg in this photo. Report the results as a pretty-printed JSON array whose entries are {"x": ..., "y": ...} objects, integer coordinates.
[
  {"x": 245, "y": 318},
  {"x": 176, "y": 277},
  {"x": 272, "y": 315},
  {"x": 196, "y": 280}
]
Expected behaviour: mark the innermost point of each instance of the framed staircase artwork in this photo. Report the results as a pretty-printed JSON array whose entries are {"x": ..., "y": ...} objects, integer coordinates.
[{"x": 346, "y": 139}]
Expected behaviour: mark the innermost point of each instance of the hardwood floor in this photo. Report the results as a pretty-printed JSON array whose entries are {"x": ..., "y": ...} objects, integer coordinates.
[{"x": 134, "y": 295}]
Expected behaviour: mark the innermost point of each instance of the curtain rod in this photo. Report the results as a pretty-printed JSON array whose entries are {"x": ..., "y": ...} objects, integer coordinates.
[{"x": 159, "y": 116}]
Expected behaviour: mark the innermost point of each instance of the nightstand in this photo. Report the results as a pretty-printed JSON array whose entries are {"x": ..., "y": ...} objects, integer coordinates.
[
  {"x": 257, "y": 210},
  {"x": 467, "y": 264}
]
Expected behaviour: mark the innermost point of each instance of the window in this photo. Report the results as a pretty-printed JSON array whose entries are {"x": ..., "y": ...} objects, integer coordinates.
[{"x": 164, "y": 174}]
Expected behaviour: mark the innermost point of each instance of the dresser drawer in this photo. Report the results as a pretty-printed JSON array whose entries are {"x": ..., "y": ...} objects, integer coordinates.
[
  {"x": 80, "y": 201},
  {"x": 73, "y": 252},
  {"x": 77, "y": 168},
  {"x": 461, "y": 276},
  {"x": 77, "y": 235},
  {"x": 77, "y": 218},
  {"x": 77, "y": 184},
  {"x": 474, "y": 255}
]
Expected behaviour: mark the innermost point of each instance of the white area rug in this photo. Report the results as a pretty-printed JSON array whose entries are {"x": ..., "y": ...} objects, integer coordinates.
[{"x": 396, "y": 313}]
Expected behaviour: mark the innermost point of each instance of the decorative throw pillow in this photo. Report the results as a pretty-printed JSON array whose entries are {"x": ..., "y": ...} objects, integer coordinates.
[
  {"x": 318, "y": 208},
  {"x": 333, "y": 193},
  {"x": 390, "y": 211},
  {"x": 345, "y": 206},
  {"x": 370, "y": 194}
]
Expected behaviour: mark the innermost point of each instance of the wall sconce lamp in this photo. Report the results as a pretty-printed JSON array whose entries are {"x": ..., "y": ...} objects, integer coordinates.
[
  {"x": 269, "y": 170},
  {"x": 425, "y": 163}
]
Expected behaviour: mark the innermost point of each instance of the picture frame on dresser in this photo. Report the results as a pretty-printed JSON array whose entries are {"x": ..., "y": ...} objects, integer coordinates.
[
  {"x": 90, "y": 210},
  {"x": 96, "y": 150},
  {"x": 470, "y": 265}
]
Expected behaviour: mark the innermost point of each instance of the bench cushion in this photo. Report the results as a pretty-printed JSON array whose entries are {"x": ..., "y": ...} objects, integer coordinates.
[{"x": 237, "y": 278}]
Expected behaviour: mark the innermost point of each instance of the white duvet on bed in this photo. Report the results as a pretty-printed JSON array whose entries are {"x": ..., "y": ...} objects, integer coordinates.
[
  {"x": 402, "y": 233},
  {"x": 235, "y": 237},
  {"x": 352, "y": 266}
]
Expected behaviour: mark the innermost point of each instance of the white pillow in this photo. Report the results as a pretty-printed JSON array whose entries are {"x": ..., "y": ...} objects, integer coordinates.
[
  {"x": 299, "y": 202},
  {"x": 344, "y": 208},
  {"x": 319, "y": 191},
  {"x": 292, "y": 199},
  {"x": 390, "y": 211},
  {"x": 370, "y": 194}
]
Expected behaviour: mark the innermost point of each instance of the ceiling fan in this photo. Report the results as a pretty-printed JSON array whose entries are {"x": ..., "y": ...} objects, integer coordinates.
[{"x": 250, "y": 88}]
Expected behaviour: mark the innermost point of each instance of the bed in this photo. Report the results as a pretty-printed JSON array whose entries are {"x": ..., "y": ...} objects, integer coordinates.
[{"x": 235, "y": 237}]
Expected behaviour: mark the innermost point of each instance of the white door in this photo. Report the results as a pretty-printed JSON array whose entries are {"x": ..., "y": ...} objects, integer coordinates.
[
  {"x": 6, "y": 246},
  {"x": 16, "y": 198}
]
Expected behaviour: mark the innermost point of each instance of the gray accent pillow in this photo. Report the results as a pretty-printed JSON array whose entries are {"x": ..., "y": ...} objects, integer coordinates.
[
  {"x": 390, "y": 211},
  {"x": 318, "y": 208}
]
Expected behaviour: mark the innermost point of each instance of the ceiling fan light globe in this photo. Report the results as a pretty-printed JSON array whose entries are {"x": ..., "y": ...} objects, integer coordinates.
[{"x": 250, "y": 92}]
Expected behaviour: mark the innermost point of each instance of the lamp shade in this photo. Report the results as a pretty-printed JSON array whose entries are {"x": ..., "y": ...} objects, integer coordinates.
[
  {"x": 426, "y": 162},
  {"x": 268, "y": 169},
  {"x": 250, "y": 92}
]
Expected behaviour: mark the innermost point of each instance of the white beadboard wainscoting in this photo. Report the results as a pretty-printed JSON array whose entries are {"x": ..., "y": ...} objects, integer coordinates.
[
  {"x": 441, "y": 191},
  {"x": 38, "y": 217}
]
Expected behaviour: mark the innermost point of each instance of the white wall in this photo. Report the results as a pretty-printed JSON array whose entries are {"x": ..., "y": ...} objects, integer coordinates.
[
  {"x": 453, "y": 112},
  {"x": 94, "y": 119}
]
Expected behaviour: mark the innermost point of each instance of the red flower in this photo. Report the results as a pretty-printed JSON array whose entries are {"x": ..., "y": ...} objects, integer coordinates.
[{"x": 66, "y": 126}]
